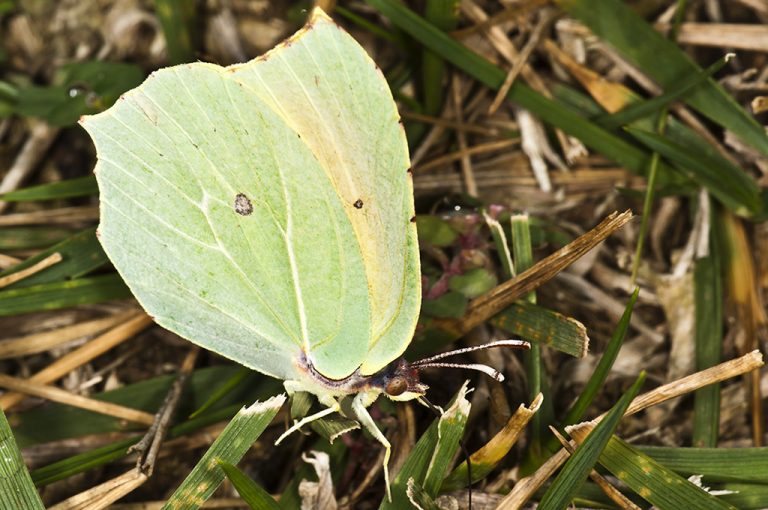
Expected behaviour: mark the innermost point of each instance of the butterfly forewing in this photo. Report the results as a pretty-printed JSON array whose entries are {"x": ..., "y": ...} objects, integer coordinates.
[{"x": 220, "y": 219}]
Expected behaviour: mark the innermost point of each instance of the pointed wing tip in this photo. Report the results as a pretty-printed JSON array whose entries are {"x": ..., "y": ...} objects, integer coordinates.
[{"x": 318, "y": 14}]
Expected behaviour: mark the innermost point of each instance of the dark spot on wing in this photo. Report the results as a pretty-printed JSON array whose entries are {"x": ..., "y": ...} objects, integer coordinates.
[
  {"x": 358, "y": 204},
  {"x": 243, "y": 205},
  {"x": 413, "y": 219}
]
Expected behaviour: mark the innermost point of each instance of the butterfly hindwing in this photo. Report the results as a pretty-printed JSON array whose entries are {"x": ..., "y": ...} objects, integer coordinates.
[{"x": 325, "y": 86}]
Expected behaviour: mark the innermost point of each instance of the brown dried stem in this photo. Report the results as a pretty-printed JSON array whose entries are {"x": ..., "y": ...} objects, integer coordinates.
[
  {"x": 82, "y": 355},
  {"x": 53, "y": 258},
  {"x": 149, "y": 445},
  {"x": 493, "y": 302}
]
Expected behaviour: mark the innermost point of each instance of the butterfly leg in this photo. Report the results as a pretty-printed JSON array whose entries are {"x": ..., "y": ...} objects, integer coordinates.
[
  {"x": 332, "y": 406},
  {"x": 359, "y": 405}
]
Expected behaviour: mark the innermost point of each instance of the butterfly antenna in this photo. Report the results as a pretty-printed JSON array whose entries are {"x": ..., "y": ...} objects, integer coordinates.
[
  {"x": 515, "y": 344},
  {"x": 491, "y": 372}
]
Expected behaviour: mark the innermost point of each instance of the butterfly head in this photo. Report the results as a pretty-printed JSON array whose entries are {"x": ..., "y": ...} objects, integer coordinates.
[{"x": 400, "y": 381}]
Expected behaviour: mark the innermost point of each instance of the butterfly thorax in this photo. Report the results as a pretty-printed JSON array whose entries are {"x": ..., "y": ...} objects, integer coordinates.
[{"x": 398, "y": 380}]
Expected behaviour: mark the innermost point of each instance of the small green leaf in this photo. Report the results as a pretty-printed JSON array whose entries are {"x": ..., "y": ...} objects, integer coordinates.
[
  {"x": 80, "y": 88},
  {"x": 435, "y": 231},
  {"x": 334, "y": 426},
  {"x": 473, "y": 283},
  {"x": 449, "y": 305}
]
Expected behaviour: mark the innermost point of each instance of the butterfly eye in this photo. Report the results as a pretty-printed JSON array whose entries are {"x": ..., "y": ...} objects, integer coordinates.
[{"x": 396, "y": 386}]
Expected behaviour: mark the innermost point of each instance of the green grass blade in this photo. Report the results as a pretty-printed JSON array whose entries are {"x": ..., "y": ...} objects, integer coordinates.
[
  {"x": 587, "y": 395},
  {"x": 222, "y": 390},
  {"x": 714, "y": 464},
  {"x": 544, "y": 327},
  {"x": 485, "y": 72},
  {"x": 615, "y": 22},
  {"x": 681, "y": 136},
  {"x": 70, "y": 188},
  {"x": 485, "y": 459},
  {"x": 177, "y": 17},
  {"x": 25, "y": 238},
  {"x": 442, "y": 14},
  {"x": 450, "y": 429},
  {"x": 734, "y": 188},
  {"x": 97, "y": 457},
  {"x": 418, "y": 463},
  {"x": 502, "y": 246},
  {"x": 419, "y": 498},
  {"x": 233, "y": 442},
  {"x": 578, "y": 466},
  {"x": 653, "y": 167},
  {"x": 522, "y": 254},
  {"x": 53, "y": 296},
  {"x": 654, "y": 482},
  {"x": 708, "y": 294},
  {"x": 366, "y": 25},
  {"x": 653, "y": 173},
  {"x": 17, "y": 492},
  {"x": 81, "y": 462},
  {"x": 531, "y": 321},
  {"x": 32, "y": 426},
  {"x": 648, "y": 108},
  {"x": 81, "y": 254},
  {"x": 251, "y": 492},
  {"x": 746, "y": 496}
]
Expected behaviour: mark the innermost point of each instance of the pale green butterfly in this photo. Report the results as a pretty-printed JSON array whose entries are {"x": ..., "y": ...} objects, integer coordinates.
[{"x": 264, "y": 211}]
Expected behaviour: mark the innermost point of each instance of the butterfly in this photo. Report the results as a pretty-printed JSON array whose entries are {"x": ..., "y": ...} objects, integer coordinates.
[{"x": 264, "y": 211}]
